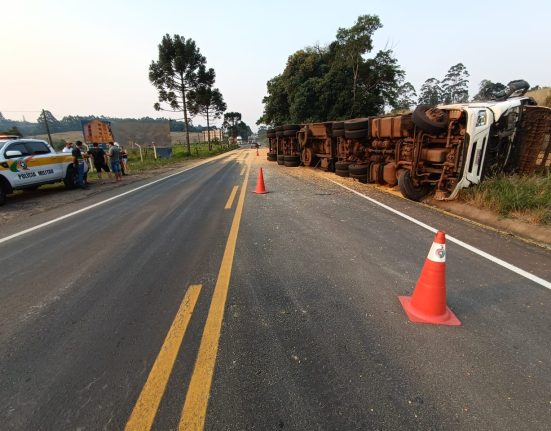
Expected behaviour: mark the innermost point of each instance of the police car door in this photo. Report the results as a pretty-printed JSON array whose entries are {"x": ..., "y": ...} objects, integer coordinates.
[
  {"x": 43, "y": 162},
  {"x": 19, "y": 173}
]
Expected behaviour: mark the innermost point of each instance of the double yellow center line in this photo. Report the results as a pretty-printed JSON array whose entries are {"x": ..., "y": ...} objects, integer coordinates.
[{"x": 195, "y": 406}]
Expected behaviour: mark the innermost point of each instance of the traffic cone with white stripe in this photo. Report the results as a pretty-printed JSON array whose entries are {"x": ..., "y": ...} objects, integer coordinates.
[
  {"x": 428, "y": 302},
  {"x": 260, "y": 187}
]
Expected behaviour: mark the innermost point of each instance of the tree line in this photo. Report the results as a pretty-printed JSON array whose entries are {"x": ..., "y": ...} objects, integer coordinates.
[
  {"x": 71, "y": 123},
  {"x": 345, "y": 79}
]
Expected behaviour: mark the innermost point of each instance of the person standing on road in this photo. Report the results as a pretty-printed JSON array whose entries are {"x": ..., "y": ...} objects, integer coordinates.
[
  {"x": 78, "y": 164},
  {"x": 115, "y": 157},
  {"x": 100, "y": 160}
]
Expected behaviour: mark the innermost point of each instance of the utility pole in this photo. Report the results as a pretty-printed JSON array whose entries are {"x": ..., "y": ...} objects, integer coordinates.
[{"x": 47, "y": 127}]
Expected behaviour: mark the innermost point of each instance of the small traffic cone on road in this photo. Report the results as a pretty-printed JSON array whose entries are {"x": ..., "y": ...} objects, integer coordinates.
[
  {"x": 257, "y": 152},
  {"x": 428, "y": 302},
  {"x": 260, "y": 188}
]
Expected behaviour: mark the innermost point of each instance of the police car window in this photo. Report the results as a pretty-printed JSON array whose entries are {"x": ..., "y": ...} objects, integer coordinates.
[
  {"x": 37, "y": 148},
  {"x": 18, "y": 146}
]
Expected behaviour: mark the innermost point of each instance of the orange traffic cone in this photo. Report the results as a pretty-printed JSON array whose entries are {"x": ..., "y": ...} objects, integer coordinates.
[
  {"x": 428, "y": 302},
  {"x": 257, "y": 151},
  {"x": 260, "y": 188}
]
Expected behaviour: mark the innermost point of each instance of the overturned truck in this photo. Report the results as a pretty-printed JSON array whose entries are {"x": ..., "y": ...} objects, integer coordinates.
[{"x": 434, "y": 149}]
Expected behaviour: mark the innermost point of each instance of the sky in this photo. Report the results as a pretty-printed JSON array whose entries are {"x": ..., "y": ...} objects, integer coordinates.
[{"x": 92, "y": 57}]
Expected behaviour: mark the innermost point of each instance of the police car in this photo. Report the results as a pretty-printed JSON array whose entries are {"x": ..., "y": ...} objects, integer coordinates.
[{"x": 30, "y": 163}]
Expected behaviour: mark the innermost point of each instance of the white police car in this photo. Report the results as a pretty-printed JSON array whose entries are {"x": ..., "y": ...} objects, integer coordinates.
[{"x": 30, "y": 163}]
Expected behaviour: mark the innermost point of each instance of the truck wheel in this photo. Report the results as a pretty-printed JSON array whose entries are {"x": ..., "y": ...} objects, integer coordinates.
[
  {"x": 357, "y": 169},
  {"x": 280, "y": 159},
  {"x": 342, "y": 173},
  {"x": 356, "y": 124},
  {"x": 308, "y": 157},
  {"x": 337, "y": 133},
  {"x": 294, "y": 127},
  {"x": 291, "y": 164},
  {"x": 69, "y": 179},
  {"x": 430, "y": 119},
  {"x": 362, "y": 178},
  {"x": 409, "y": 190},
  {"x": 342, "y": 166},
  {"x": 3, "y": 193},
  {"x": 292, "y": 159},
  {"x": 356, "y": 134},
  {"x": 290, "y": 133},
  {"x": 271, "y": 157}
]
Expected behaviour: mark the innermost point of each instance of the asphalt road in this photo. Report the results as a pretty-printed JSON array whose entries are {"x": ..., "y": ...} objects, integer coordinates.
[{"x": 161, "y": 309}]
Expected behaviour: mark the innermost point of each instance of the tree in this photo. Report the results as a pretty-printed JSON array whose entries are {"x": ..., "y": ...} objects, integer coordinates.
[
  {"x": 53, "y": 123},
  {"x": 431, "y": 92},
  {"x": 353, "y": 43},
  {"x": 244, "y": 130},
  {"x": 455, "y": 86},
  {"x": 488, "y": 90},
  {"x": 262, "y": 133},
  {"x": 336, "y": 81},
  {"x": 406, "y": 97},
  {"x": 175, "y": 73},
  {"x": 205, "y": 100},
  {"x": 231, "y": 120}
]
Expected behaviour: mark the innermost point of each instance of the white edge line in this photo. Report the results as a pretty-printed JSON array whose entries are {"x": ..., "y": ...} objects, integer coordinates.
[
  {"x": 97, "y": 204},
  {"x": 450, "y": 238}
]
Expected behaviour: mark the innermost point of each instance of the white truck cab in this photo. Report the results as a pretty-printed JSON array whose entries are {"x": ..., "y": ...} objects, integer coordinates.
[{"x": 481, "y": 117}]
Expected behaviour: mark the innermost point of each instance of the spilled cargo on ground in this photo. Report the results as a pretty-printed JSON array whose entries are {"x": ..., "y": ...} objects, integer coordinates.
[{"x": 436, "y": 150}]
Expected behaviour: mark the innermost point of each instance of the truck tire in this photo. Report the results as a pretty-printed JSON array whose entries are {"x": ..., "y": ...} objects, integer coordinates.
[
  {"x": 291, "y": 164},
  {"x": 342, "y": 166},
  {"x": 342, "y": 173},
  {"x": 280, "y": 159},
  {"x": 409, "y": 190},
  {"x": 337, "y": 133},
  {"x": 271, "y": 157},
  {"x": 308, "y": 157},
  {"x": 293, "y": 159},
  {"x": 356, "y": 134},
  {"x": 70, "y": 179},
  {"x": 356, "y": 124},
  {"x": 357, "y": 169},
  {"x": 362, "y": 178},
  {"x": 337, "y": 125},
  {"x": 293, "y": 127},
  {"x": 290, "y": 133},
  {"x": 433, "y": 124}
]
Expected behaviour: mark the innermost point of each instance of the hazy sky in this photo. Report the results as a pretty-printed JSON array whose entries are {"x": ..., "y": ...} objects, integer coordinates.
[{"x": 92, "y": 57}]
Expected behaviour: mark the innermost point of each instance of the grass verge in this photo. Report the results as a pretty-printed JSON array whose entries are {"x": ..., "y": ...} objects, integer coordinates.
[{"x": 526, "y": 197}]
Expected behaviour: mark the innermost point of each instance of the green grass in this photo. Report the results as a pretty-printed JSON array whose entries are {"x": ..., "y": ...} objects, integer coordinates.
[
  {"x": 526, "y": 197},
  {"x": 179, "y": 153}
]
